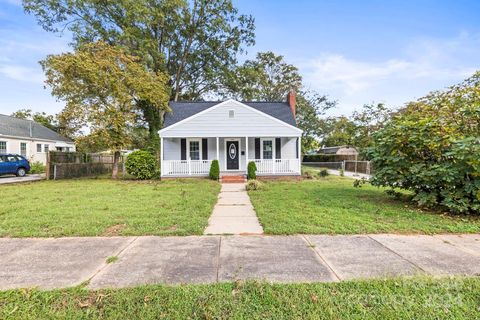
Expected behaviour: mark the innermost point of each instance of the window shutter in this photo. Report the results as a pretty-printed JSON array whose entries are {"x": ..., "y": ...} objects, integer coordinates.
[
  {"x": 204, "y": 149},
  {"x": 183, "y": 149},
  {"x": 278, "y": 148},
  {"x": 257, "y": 148}
]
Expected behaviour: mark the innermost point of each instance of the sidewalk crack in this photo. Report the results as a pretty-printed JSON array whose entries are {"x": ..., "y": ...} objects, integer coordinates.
[
  {"x": 319, "y": 256},
  {"x": 105, "y": 265},
  {"x": 398, "y": 254}
]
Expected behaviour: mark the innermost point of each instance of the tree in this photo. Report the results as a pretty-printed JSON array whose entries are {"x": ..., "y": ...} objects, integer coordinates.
[
  {"x": 338, "y": 131},
  {"x": 431, "y": 147},
  {"x": 267, "y": 78},
  {"x": 193, "y": 41},
  {"x": 311, "y": 106},
  {"x": 368, "y": 120},
  {"x": 47, "y": 120},
  {"x": 101, "y": 86},
  {"x": 358, "y": 129},
  {"x": 270, "y": 78}
]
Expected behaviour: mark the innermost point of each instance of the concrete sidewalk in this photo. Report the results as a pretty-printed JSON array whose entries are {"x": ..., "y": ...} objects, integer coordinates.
[
  {"x": 65, "y": 262},
  {"x": 27, "y": 178},
  {"x": 233, "y": 213}
]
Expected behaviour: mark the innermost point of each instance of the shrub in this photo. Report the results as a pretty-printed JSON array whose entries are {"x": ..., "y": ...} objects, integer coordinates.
[
  {"x": 37, "y": 167},
  {"x": 253, "y": 185},
  {"x": 251, "y": 171},
  {"x": 342, "y": 172},
  {"x": 431, "y": 147},
  {"x": 214, "y": 170},
  {"x": 308, "y": 174},
  {"x": 323, "y": 173},
  {"x": 142, "y": 165}
]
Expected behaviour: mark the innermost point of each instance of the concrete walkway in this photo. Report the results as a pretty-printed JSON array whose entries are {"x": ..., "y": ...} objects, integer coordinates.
[
  {"x": 233, "y": 213},
  {"x": 27, "y": 178},
  {"x": 65, "y": 262}
]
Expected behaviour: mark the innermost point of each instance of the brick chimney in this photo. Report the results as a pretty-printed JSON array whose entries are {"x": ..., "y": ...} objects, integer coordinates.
[{"x": 292, "y": 100}]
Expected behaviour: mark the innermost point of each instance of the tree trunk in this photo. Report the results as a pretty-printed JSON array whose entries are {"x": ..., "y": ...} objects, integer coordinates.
[{"x": 116, "y": 158}]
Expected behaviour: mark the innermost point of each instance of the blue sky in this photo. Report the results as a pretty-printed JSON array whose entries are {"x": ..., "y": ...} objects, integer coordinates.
[{"x": 354, "y": 51}]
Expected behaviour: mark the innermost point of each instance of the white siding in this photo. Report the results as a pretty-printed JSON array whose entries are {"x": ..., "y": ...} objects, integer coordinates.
[
  {"x": 13, "y": 146},
  {"x": 172, "y": 149},
  {"x": 215, "y": 122}
]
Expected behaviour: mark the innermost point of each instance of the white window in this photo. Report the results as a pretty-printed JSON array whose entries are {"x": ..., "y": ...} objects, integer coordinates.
[
  {"x": 23, "y": 149},
  {"x": 267, "y": 149},
  {"x": 39, "y": 147},
  {"x": 194, "y": 149},
  {"x": 45, "y": 147},
  {"x": 3, "y": 146},
  {"x": 231, "y": 113}
]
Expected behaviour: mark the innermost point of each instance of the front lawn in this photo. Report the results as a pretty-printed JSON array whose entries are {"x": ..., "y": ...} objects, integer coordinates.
[
  {"x": 94, "y": 207},
  {"x": 332, "y": 205},
  {"x": 408, "y": 298}
]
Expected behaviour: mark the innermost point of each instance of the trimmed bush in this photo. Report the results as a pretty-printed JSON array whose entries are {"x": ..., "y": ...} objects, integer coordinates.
[
  {"x": 142, "y": 165},
  {"x": 214, "y": 170},
  {"x": 251, "y": 171},
  {"x": 323, "y": 173},
  {"x": 37, "y": 167},
  {"x": 253, "y": 185}
]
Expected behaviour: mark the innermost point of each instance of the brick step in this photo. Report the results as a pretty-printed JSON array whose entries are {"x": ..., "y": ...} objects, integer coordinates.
[{"x": 232, "y": 179}]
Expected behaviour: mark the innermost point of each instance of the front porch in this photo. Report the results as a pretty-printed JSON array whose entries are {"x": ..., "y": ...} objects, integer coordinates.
[{"x": 193, "y": 156}]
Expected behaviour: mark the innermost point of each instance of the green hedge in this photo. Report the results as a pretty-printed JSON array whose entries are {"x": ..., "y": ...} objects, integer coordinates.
[{"x": 320, "y": 158}]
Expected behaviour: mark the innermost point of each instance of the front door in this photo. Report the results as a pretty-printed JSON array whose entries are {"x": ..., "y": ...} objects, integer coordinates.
[{"x": 232, "y": 155}]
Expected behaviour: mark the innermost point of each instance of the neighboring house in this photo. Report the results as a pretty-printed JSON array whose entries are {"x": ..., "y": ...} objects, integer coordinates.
[
  {"x": 234, "y": 133},
  {"x": 30, "y": 139},
  {"x": 339, "y": 150}
]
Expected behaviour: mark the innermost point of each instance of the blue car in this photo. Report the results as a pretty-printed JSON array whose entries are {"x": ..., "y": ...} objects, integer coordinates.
[{"x": 14, "y": 164}]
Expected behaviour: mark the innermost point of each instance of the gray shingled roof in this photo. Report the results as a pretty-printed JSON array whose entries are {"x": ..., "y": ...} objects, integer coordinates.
[
  {"x": 10, "y": 126},
  {"x": 183, "y": 110}
]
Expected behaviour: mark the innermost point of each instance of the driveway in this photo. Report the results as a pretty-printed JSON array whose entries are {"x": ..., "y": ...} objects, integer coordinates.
[
  {"x": 27, "y": 178},
  {"x": 66, "y": 262}
]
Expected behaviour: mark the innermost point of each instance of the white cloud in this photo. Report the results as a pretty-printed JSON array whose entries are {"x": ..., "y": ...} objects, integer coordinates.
[
  {"x": 22, "y": 73},
  {"x": 424, "y": 65}
]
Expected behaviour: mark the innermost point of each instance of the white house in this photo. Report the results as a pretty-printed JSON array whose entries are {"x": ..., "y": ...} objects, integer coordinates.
[
  {"x": 30, "y": 139},
  {"x": 235, "y": 133}
]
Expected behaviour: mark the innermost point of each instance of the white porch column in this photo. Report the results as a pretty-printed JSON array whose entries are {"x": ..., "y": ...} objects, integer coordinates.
[
  {"x": 246, "y": 154},
  {"x": 218, "y": 153},
  {"x": 300, "y": 154},
  {"x": 161, "y": 156}
]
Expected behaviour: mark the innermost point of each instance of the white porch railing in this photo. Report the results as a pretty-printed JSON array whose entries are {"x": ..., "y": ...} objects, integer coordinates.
[
  {"x": 185, "y": 167},
  {"x": 277, "y": 166}
]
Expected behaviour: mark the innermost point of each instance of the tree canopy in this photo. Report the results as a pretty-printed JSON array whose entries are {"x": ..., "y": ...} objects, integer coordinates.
[
  {"x": 101, "y": 86},
  {"x": 48, "y": 120},
  {"x": 194, "y": 42}
]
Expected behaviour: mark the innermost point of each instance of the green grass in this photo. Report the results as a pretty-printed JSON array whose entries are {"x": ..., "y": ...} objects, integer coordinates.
[
  {"x": 408, "y": 298},
  {"x": 93, "y": 207},
  {"x": 111, "y": 259},
  {"x": 331, "y": 205}
]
